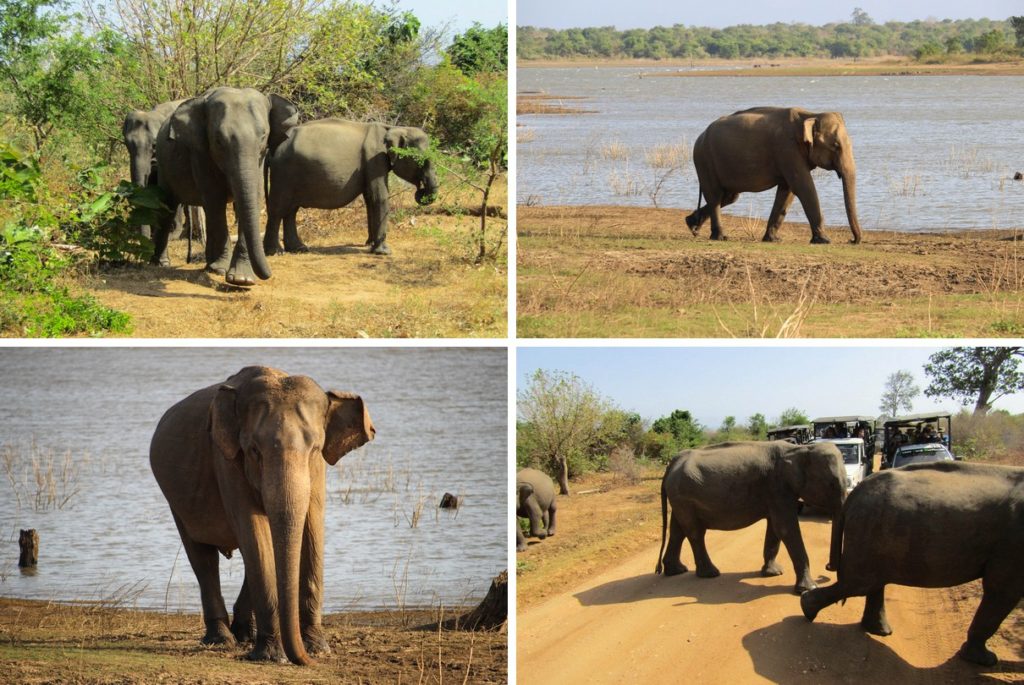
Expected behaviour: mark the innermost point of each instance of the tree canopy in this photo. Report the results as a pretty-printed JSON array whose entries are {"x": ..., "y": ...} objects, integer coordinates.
[
  {"x": 975, "y": 374},
  {"x": 898, "y": 394}
]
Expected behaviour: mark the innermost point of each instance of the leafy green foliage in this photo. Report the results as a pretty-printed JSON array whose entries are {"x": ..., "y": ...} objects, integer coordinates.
[
  {"x": 480, "y": 50},
  {"x": 757, "y": 426},
  {"x": 975, "y": 374},
  {"x": 675, "y": 432},
  {"x": 792, "y": 417}
]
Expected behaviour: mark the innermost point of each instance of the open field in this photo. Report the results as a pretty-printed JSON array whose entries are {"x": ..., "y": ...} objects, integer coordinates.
[
  {"x": 619, "y": 622},
  {"x": 42, "y": 642},
  {"x": 792, "y": 66},
  {"x": 428, "y": 287},
  {"x": 608, "y": 271}
]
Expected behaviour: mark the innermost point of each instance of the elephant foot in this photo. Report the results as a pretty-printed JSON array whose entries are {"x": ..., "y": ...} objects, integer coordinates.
[
  {"x": 771, "y": 239},
  {"x": 521, "y": 547},
  {"x": 297, "y": 248},
  {"x": 315, "y": 642},
  {"x": 720, "y": 236},
  {"x": 977, "y": 654},
  {"x": 381, "y": 249},
  {"x": 675, "y": 569},
  {"x": 820, "y": 240},
  {"x": 876, "y": 626},
  {"x": 217, "y": 633},
  {"x": 708, "y": 572},
  {"x": 770, "y": 569},
  {"x": 551, "y": 532},
  {"x": 808, "y": 605},
  {"x": 159, "y": 261},
  {"x": 804, "y": 586},
  {"x": 240, "y": 278},
  {"x": 692, "y": 224},
  {"x": 271, "y": 248},
  {"x": 217, "y": 268},
  {"x": 267, "y": 650},
  {"x": 244, "y": 630}
]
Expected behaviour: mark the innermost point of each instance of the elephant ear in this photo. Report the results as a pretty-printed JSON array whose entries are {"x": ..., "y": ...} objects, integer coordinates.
[
  {"x": 525, "y": 490},
  {"x": 188, "y": 124},
  {"x": 807, "y": 132},
  {"x": 224, "y": 422},
  {"x": 348, "y": 425},
  {"x": 395, "y": 138},
  {"x": 284, "y": 116}
]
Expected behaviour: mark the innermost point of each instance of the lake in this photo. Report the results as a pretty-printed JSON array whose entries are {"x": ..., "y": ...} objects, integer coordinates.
[
  {"x": 933, "y": 152},
  {"x": 441, "y": 419}
]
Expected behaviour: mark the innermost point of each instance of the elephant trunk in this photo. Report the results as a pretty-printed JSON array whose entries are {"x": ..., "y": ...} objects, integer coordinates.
[
  {"x": 850, "y": 198},
  {"x": 426, "y": 193},
  {"x": 141, "y": 166},
  {"x": 246, "y": 181},
  {"x": 287, "y": 516}
]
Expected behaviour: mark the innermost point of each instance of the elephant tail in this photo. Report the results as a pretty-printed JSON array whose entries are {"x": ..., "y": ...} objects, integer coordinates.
[
  {"x": 693, "y": 221},
  {"x": 664, "y": 525}
]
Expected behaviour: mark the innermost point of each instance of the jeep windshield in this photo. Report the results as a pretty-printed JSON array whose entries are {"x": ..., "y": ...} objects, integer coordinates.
[
  {"x": 916, "y": 454},
  {"x": 851, "y": 453}
]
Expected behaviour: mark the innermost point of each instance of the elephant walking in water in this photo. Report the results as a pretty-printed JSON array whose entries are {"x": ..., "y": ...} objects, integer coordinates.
[
  {"x": 243, "y": 466},
  {"x": 328, "y": 163},
  {"x": 932, "y": 525},
  {"x": 771, "y": 147},
  {"x": 735, "y": 484},
  {"x": 211, "y": 151},
  {"x": 535, "y": 500}
]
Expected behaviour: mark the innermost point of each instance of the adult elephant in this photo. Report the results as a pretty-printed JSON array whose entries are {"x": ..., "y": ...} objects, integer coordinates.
[
  {"x": 735, "y": 484},
  {"x": 210, "y": 151},
  {"x": 932, "y": 525},
  {"x": 139, "y": 131},
  {"x": 773, "y": 147},
  {"x": 535, "y": 500},
  {"x": 242, "y": 465},
  {"x": 328, "y": 163}
]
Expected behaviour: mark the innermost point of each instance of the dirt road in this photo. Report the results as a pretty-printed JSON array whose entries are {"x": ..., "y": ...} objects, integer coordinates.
[{"x": 627, "y": 625}]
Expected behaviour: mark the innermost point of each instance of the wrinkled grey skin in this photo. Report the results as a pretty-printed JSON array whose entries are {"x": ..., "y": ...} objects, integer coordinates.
[
  {"x": 243, "y": 465},
  {"x": 211, "y": 151},
  {"x": 932, "y": 525},
  {"x": 535, "y": 500},
  {"x": 773, "y": 147},
  {"x": 328, "y": 163},
  {"x": 139, "y": 132},
  {"x": 735, "y": 484}
]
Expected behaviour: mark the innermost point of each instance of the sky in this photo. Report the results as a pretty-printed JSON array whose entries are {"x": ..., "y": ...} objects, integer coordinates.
[
  {"x": 715, "y": 382},
  {"x": 721, "y": 13},
  {"x": 459, "y": 14}
]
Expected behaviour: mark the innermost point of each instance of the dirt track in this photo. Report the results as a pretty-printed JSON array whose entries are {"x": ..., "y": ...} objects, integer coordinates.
[{"x": 626, "y": 625}]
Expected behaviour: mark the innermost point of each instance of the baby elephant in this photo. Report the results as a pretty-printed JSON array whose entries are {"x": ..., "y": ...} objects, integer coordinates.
[
  {"x": 932, "y": 525},
  {"x": 328, "y": 163},
  {"x": 536, "y": 501}
]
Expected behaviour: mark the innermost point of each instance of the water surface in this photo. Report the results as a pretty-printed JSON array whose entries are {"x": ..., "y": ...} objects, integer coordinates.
[{"x": 441, "y": 423}]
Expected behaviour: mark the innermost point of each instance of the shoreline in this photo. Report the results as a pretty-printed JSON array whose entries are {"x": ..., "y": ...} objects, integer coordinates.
[{"x": 790, "y": 66}]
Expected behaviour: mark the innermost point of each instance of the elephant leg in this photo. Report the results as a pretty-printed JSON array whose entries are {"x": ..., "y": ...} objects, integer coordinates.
[
  {"x": 1001, "y": 593},
  {"x": 723, "y": 199},
  {"x": 672, "y": 561},
  {"x": 536, "y": 516},
  {"x": 376, "y": 200},
  {"x": 873, "y": 620},
  {"x": 705, "y": 569},
  {"x": 179, "y": 223},
  {"x": 783, "y": 199},
  {"x": 551, "y": 518},
  {"x": 271, "y": 241},
  {"x": 311, "y": 566},
  {"x": 813, "y": 601},
  {"x": 292, "y": 241},
  {"x": 803, "y": 186},
  {"x": 205, "y": 565},
  {"x": 787, "y": 528},
  {"x": 520, "y": 538},
  {"x": 218, "y": 246},
  {"x": 243, "y": 620},
  {"x": 256, "y": 544},
  {"x": 163, "y": 231},
  {"x": 771, "y": 551}
]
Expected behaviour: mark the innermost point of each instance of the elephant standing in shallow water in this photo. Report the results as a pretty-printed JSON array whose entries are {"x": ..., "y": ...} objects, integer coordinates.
[
  {"x": 772, "y": 147},
  {"x": 932, "y": 525},
  {"x": 212, "y": 150},
  {"x": 328, "y": 163},
  {"x": 735, "y": 484},
  {"x": 243, "y": 466}
]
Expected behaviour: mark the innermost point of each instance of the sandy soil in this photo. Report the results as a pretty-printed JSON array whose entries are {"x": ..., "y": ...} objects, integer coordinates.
[
  {"x": 614, "y": 621},
  {"x": 428, "y": 287},
  {"x": 620, "y": 271},
  {"x": 45, "y": 643}
]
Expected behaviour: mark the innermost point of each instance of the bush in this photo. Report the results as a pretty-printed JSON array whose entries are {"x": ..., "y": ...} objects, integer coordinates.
[{"x": 997, "y": 436}]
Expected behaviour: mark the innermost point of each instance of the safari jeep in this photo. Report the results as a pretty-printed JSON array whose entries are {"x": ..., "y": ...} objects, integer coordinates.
[{"x": 855, "y": 459}]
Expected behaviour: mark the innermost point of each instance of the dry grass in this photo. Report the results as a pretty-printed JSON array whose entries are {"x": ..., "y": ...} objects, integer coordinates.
[
  {"x": 40, "y": 478},
  {"x": 542, "y": 103}
]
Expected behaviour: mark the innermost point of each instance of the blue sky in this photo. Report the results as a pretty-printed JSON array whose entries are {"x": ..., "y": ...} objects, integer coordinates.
[
  {"x": 460, "y": 14},
  {"x": 715, "y": 382},
  {"x": 647, "y": 13}
]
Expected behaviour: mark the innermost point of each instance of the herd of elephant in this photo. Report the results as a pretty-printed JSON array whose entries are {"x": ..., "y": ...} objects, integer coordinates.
[
  {"x": 243, "y": 146},
  {"x": 925, "y": 525}
]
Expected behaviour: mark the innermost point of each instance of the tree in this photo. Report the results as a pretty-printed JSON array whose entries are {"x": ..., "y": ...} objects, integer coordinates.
[
  {"x": 681, "y": 426},
  {"x": 480, "y": 49},
  {"x": 990, "y": 42},
  {"x": 565, "y": 415},
  {"x": 979, "y": 374},
  {"x": 792, "y": 417},
  {"x": 861, "y": 18},
  {"x": 758, "y": 426},
  {"x": 1018, "y": 28},
  {"x": 898, "y": 394}
]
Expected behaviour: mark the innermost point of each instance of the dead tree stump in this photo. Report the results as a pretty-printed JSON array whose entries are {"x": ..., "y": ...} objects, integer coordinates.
[
  {"x": 450, "y": 501},
  {"x": 28, "y": 540},
  {"x": 490, "y": 614}
]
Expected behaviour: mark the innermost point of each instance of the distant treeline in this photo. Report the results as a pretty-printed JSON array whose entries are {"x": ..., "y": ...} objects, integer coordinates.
[{"x": 860, "y": 37}]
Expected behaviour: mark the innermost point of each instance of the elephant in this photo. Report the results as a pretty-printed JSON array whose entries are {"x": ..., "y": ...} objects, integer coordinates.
[
  {"x": 328, "y": 163},
  {"x": 535, "y": 501},
  {"x": 242, "y": 465},
  {"x": 732, "y": 485},
  {"x": 212, "y": 150},
  {"x": 771, "y": 147},
  {"x": 139, "y": 131},
  {"x": 933, "y": 525}
]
